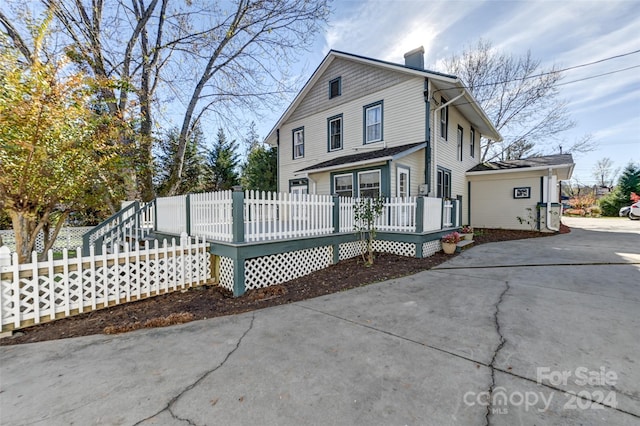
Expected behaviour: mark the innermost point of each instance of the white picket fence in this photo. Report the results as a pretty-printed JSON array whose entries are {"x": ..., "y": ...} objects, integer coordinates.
[
  {"x": 272, "y": 215},
  {"x": 211, "y": 215},
  {"x": 36, "y": 292},
  {"x": 398, "y": 214}
]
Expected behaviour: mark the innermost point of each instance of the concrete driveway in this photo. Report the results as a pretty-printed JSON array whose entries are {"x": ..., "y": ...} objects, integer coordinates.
[{"x": 546, "y": 331}]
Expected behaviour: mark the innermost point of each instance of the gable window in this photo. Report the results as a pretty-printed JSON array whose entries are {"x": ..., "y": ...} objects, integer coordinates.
[
  {"x": 373, "y": 122},
  {"x": 335, "y": 87},
  {"x": 460, "y": 142},
  {"x": 472, "y": 142},
  {"x": 369, "y": 184},
  {"x": 443, "y": 188},
  {"x": 444, "y": 119},
  {"x": 335, "y": 133},
  {"x": 343, "y": 185},
  {"x": 298, "y": 143}
]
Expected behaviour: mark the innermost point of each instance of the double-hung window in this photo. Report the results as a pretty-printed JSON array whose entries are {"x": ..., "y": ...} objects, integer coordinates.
[
  {"x": 472, "y": 142},
  {"x": 460, "y": 142},
  {"x": 335, "y": 133},
  {"x": 444, "y": 119},
  {"x": 373, "y": 123},
  {"x": 298, "y": 143},
  {"x": 443, "y": 188},
  {"x": 369, "y": 184},
  {"x": 343, "y": 185}
]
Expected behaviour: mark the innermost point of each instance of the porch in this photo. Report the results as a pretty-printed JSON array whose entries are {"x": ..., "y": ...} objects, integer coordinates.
[{"x": 260, "y": 239}]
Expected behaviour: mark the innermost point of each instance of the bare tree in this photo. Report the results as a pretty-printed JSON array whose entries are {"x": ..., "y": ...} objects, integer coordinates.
[
  {"x": 197, "y": 60},
  {"x": 519, "y": 96},
  {"x": 604, "y": 172}
]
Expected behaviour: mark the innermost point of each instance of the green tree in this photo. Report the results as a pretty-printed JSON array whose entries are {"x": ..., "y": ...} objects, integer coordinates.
[
  {"x": 193, "y": 177},
  {"x": 621, "y": 196},
  {"x": 54, "y": 142},
  {"x": 260, "y": 171},
  {"x": 222, "y": 164}
]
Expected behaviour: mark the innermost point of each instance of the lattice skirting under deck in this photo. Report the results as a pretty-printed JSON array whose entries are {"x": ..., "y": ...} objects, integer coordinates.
[
  {"x": 355, "y": 248},
  {"x": 431, "y": 247},
  {"x": 226, "y": 272},
  {"x": 278, "y": 268}
]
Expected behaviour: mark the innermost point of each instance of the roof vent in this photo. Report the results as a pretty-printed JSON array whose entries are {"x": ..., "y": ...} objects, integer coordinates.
[{"x": 415, "y": 59}]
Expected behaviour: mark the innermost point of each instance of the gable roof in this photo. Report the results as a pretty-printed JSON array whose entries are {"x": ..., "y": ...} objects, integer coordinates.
[
  {"x": 557, "y": 161},
  {"x": 449, "y": 85},
  {"x": 385, "y": 154}
]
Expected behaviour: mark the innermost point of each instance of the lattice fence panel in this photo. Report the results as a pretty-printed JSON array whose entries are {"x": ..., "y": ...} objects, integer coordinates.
[
  {"x": 395, "y": 247},
  {"x": 430, "y": 248},
  {"x": 278, "y": 268},
  {"x": 226, "y": 272},
  {"x": 351, "y": 249},
  {"x": 40, "y": 291}
]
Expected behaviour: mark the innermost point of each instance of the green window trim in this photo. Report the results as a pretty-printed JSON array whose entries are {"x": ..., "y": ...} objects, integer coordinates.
[
  {"x": 330, "y": 120},
  {"x": 366, "y": 125},
  {"x": 385, "y": 178},
  {"x": 294, "y": 145},
  {"x": 335, "y": 87}
]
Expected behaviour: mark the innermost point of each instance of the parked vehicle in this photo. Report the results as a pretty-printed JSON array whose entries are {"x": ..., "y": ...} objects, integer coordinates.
[
  {"x": 624, "y": 211},
  {"x": 634, "y": 213}
]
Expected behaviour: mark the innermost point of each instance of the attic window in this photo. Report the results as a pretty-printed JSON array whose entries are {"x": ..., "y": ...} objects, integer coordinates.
[{"x": 335, "y": 87}]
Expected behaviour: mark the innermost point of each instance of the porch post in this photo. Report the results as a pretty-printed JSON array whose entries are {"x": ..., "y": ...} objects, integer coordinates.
[
  {"x": 419, "y": 214},
  {"x": 237, "y": 214},
  {"x": 187, "y": 212}
]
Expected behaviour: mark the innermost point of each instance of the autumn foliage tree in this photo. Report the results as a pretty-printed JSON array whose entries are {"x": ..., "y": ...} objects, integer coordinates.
[{"x": 55, "y": 145}]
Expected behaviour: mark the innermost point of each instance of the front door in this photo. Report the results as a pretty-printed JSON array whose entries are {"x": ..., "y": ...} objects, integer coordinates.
[{"x": 298, "y": 210}]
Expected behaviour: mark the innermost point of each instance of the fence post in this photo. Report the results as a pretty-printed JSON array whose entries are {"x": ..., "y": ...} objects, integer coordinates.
[
  {"x": 187, "y": 218},
  {"x": 459, "y": 211},
  {"x": 5, "y": 256},
  {"x": 442, "y": 215},
  {"x": 155, "y": 214},
  {"x": 336, "y": 214},
  {"x": 419, "y": 214},
  {"x": 237, "y": 214}
]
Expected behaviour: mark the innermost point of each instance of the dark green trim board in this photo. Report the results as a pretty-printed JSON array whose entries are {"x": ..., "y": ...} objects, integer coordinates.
[
  {"x": 469, "y": 206},
  {"x": 187, "y": 212},
  {"x": 237, "y": 215},
  {"x": 541, "y": 189},
  {"x": 277, "y": 160}
]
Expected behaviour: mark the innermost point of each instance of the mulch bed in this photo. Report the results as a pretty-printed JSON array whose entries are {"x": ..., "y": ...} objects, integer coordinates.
[{"x": 212, "y": 301}]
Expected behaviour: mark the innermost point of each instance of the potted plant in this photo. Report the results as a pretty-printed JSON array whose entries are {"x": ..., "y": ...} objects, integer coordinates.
[
  {"x": 467, "y": 232},
  {"x": 449, "y": 242}
]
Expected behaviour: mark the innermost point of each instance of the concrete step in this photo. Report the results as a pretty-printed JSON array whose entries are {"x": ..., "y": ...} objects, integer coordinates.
[{"x": 463, "y": 245}]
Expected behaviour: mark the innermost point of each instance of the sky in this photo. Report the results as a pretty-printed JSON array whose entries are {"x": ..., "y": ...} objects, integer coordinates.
[{"x": 565, "y": 33}]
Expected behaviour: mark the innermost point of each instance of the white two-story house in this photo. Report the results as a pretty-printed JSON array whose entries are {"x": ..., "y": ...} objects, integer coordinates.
[{"x": 365, "y": 127}]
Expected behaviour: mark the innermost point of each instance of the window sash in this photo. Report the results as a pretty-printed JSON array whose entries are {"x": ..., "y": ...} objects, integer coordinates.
[
  {"x": 374, "y": 123},
  {"x": 335, "y": 134},
  {"x": 472, "y": 143},
  {"x": 369, "y": 184},
  {"x": 298, "y": 143},
  {"x": 343, "y": 185},
  {"x": 443, "y": 187},
  {"x": 460, "y": 142},
  {"x": 444, "y": 119}
]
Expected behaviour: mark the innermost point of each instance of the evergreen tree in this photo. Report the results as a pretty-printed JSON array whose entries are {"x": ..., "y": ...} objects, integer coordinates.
[
  {"x": 621, "y": 196},
  {"x": 193, "y": 176},
  {"x": 222, "y": 164},
  {"x": 260, "y": 171}
]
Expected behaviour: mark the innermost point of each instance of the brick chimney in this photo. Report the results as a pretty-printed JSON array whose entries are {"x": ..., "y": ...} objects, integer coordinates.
[{"x": 415, "y": 59}]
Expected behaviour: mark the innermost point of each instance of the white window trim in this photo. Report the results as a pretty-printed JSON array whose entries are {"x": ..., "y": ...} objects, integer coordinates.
[
  {"x": 379, "y": 180},
  {"x": 335, "y": 187},
  {"x": 367, "y": 125}
]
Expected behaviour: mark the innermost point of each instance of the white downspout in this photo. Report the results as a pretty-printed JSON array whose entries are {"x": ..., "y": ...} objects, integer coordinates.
[
  {"x": 549, "y": 183},
  {"x": 434, "y": 145}
]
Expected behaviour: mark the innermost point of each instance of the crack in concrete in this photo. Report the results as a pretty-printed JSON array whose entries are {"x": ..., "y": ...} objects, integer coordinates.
[
  {"x": 483, "y": 364},
  {"x": 531, "y": 265},
  {"x": 172, "y": 401},
  {"x": 501, "y": 343}
]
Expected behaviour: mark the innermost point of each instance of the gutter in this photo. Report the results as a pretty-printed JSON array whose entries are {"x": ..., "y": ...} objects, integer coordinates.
[{"x": 549, "y": 181}]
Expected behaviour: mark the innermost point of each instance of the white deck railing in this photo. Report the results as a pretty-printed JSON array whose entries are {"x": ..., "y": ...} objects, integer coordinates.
[
  {"x": 172, "y": 216},
  {"x": 271, "y": 215},
  {"x": 211, "y": 215},
  {"x": 274, "y": 216}
]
